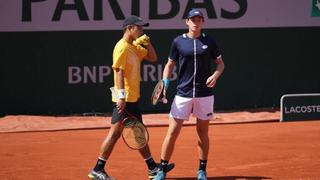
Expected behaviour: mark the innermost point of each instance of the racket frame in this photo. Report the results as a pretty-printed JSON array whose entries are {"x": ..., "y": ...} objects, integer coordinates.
[
  {"x": 146, "y": 133},
  {"x": 159, "y": 88}
]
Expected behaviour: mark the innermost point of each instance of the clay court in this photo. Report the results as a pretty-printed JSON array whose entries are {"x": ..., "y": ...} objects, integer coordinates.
[{"x": 244, "y": 145}]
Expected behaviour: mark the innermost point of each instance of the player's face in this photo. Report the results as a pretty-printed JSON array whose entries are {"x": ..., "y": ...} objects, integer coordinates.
[
  {"x": 195, "y": 23},
  {"x": 136, "y": 31}
]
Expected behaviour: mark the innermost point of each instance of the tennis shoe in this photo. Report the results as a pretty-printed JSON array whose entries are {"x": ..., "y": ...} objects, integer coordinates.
[
  {"x": 161, "y": 175},
  {"x": 99, "y": 175},
  {"x": 202, "y": 175},
  {"x": 152, "y": 173}
]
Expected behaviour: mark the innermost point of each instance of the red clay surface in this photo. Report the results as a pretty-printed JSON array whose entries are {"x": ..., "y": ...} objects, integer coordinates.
[
  {"x": 22, "y": 123},
  {"x": 262, "y": 150}
]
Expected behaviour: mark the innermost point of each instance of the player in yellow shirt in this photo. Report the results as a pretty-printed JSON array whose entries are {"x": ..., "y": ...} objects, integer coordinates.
[{"x": 128, "y": 54}]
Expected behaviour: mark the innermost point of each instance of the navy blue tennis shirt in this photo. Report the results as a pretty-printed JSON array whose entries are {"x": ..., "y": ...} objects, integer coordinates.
[{"x": 195, "y": 58}]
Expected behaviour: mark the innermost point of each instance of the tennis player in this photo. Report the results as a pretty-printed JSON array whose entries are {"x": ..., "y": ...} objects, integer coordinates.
[
  {"x": 127, "y": 58},
  {"x": 195, "y": 52}
]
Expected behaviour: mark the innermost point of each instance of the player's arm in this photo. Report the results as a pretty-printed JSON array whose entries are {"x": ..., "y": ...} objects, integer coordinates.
[
  {"x": 152, "y": 55},
  {"x": 145, "y": 48},
  {"x": 167, "y": 72},
  {"x": 168, "y": 69},
  {"x": 119, "y": 77},
  {"x": 211, "y": 81}
]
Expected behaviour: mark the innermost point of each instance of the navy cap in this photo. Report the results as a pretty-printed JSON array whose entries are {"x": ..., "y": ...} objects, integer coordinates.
[
  {"x": 195, "y": 12},
  {"x": 134, "y": 20}
]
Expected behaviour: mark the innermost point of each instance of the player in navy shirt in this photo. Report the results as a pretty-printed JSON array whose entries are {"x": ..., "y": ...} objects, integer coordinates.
[
  {"x": 195, "y": 57},
  {"x": 195, "y": 53}
]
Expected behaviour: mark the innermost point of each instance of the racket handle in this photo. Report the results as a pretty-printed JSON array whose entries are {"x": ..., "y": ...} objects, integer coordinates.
[{"x": 164, "y": 99}]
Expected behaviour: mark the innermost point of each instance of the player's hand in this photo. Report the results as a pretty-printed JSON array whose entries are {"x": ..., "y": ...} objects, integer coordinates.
[
  {"x": 211, "y": 82},
  {"x": 141, "y": 43},
  {"x": 142, "y": 40},
  {"x": 142, "y": 49},
  {"x": 121, "y": 105}
]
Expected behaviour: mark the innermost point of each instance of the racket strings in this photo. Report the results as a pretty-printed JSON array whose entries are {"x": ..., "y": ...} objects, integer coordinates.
[
  {"x": 135, "y": 134},
  {"x": 157, "y": 93}
]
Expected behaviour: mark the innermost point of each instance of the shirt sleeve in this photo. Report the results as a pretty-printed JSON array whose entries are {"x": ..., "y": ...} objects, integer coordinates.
[
  {"x": 215, "y": 52},
  {"x": 119, "y": 58},
  {"x": 174, "y": 53}
]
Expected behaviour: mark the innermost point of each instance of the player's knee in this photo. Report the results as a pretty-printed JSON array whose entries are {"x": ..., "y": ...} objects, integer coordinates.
[
  {"x": 116, "y": 135},
  {"x": 173, "y": 134},
  {"x": 202, "y": 130},
  {"x": 203, "y": 137}
]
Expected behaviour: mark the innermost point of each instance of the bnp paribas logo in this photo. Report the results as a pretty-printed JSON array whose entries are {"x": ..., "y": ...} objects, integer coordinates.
[{"x": 315, "y": 8}]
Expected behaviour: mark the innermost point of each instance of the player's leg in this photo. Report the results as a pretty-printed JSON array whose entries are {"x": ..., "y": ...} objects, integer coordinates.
[
  {"x": 153, "y": 167},
  {"x": 168, "y": 147},
  {"x": 173, "y": 132},
  {"x": 203, "y": 147},
  {"x": 203, "y": 110},
  {"x": 151, "y": 164},
  {"x": 180, "y": 111},
  {"x": 111, "y": 139},
  {"x": 107, "y": 146},
  {"x": 134, "y": 110},
  {"x": 203, "y": 142}
]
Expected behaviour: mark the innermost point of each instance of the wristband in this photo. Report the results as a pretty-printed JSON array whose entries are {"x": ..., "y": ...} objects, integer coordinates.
[
  {"x": 121, "y": 94},
  {"x": 166, "y": 83}
]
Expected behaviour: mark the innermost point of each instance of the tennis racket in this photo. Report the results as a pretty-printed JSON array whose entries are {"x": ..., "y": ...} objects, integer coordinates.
[
  {"x": 159, "y": 94},
  {"x": 134, "y": 134}
]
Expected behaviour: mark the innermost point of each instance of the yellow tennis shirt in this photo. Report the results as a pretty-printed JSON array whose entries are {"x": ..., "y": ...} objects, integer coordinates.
[{"x": 127, "y": 58}]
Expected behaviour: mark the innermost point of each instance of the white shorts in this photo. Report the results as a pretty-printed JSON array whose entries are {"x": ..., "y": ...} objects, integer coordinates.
[{"x": 201, "y": 108}]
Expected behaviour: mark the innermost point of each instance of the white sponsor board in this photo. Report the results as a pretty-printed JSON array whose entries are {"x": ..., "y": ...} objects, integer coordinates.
[{"x": 68, "y": 15}]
